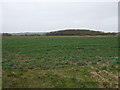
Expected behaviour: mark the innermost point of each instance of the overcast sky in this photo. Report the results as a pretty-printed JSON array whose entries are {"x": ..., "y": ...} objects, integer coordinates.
[{"x": 52, "y": 16}]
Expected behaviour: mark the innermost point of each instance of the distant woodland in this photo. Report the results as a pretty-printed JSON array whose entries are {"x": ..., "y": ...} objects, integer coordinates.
[
  {"x": 68, "y": 32},
  {"x": 77, "y": 32}
]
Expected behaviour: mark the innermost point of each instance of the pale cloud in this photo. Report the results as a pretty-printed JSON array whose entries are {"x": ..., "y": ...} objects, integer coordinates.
[
  {"x": 0, "y": 17},
  {"x": 59, "y": 1},
  {"x": 40, "y": 17}
]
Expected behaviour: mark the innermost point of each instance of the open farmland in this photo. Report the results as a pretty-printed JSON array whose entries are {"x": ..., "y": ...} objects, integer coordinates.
[{"x": 60, "y": 62}]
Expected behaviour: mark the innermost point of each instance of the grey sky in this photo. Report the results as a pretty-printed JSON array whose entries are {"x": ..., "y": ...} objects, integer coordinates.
[
  {"x": 42, "y": 17},
  {"x": 0, "y": 17}
]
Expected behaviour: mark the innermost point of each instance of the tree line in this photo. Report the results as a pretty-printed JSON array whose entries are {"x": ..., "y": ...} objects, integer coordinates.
[
  {"x": 68, "y": 32},
  {"x": 74, "y": 32}
]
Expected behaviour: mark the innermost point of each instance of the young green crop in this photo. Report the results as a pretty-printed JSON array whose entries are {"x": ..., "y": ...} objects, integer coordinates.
[
  {"x": 55, "y": 55},
  {"x": 51, "y": 52}
]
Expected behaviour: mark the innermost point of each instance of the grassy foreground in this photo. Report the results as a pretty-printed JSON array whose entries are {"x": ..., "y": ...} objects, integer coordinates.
[{"x": 60, "y": 62}]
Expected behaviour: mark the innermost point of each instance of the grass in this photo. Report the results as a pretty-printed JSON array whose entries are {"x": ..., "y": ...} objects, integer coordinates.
[{"x": 60, "y": 62}]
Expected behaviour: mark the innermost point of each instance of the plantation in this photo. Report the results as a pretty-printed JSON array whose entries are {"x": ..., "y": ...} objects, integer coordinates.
[{"x": 60, "y": 62}]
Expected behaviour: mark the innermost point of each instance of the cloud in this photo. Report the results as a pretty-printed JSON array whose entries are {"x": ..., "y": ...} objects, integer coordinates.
[
  {"x": 0, "y": 17},
  {"x": 59, "y": 1},
  {"x": 22, "y": 17}
]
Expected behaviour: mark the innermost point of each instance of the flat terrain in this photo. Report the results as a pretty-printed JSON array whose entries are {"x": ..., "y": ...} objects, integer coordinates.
[{"x": 60, "y": 62}]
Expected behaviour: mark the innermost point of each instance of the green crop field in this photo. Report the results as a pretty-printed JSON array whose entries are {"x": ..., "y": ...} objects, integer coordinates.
[{"x": 60, "y": 62}]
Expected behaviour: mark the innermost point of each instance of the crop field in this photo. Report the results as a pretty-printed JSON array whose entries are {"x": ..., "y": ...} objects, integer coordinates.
[{"x": 59, "y": 62}]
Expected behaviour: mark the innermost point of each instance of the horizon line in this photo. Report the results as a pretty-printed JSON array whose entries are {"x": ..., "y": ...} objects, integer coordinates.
[{"x": 63, "y": 29}]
